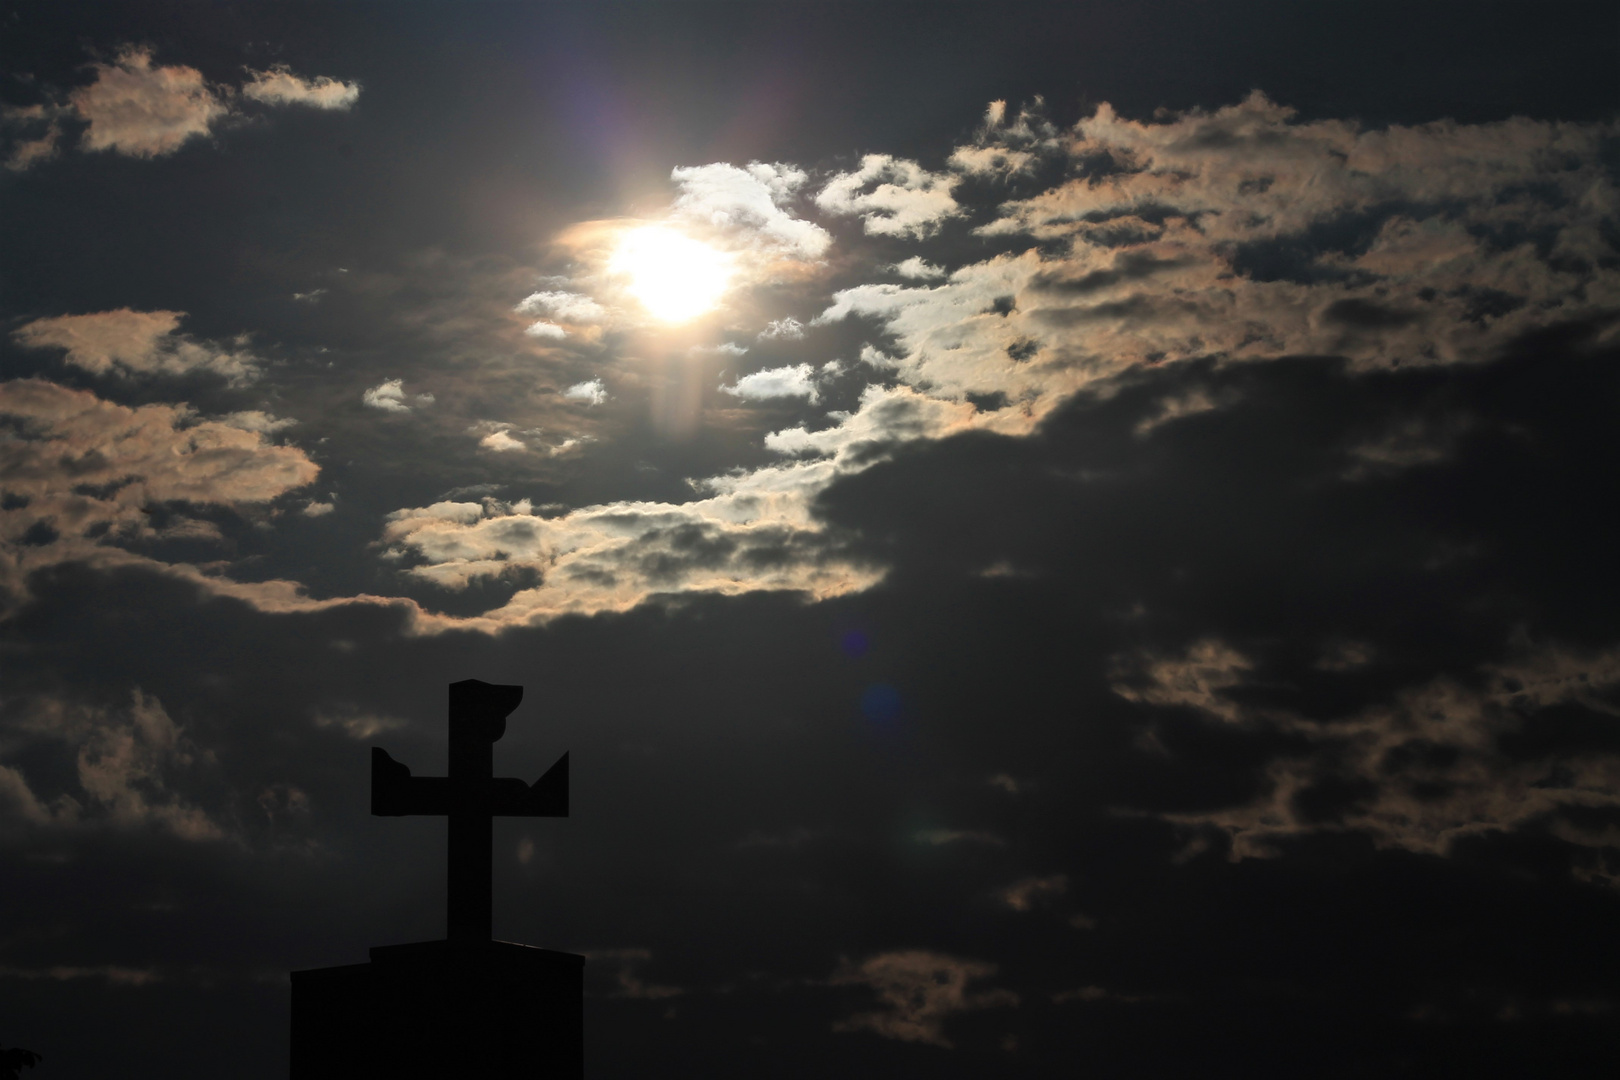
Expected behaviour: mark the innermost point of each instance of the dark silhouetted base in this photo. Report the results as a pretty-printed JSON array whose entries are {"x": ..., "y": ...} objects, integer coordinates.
[{"x": 442, "y": 1008}]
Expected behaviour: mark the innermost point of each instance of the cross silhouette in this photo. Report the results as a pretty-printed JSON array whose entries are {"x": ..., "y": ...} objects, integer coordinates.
[{"x": 470, "y": 797}]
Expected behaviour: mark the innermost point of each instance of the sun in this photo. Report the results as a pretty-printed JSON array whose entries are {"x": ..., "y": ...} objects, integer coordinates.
[{"x": 675, "y": 277}]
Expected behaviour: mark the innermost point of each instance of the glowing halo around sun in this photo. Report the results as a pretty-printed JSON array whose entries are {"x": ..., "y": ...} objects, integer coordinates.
[{"x": 675, "y": 277}]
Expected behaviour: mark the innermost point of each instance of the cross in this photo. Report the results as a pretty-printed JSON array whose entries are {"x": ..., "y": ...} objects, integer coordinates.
[{"x": 470, "y": 796}]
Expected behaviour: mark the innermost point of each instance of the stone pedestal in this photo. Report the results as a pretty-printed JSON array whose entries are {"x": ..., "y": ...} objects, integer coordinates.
[{"x": 442, "y": 1008}]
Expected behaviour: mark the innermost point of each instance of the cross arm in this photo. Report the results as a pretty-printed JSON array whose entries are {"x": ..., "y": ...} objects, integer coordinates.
[
  {"x": 395, "y": 792},
  {"x": 547, "y": 797}
]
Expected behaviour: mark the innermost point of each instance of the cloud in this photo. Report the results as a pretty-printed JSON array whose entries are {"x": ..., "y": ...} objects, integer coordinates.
[
  {"x": 755, "y": 532},
  {"x": 892, "y": 196},
  {"x": 358, "y": 724},
  {"x": 257, "y": 420},
  {"x": 1245, "y": 235},
  {"x": 545, "y": 328},
  {"x": 126, "y": 342},
  {"x": 917, "y": 269},
  {"x": 143, "y": 111},
  {"x": 751, "y": 531},
  {"x": 567, "y": 306},
  {"x": 122, "y": 767},
  {"x": 1184, "y": 239},
  {"x": 592, "y": 392},
  {"x": 1002, "y": 149},
  {"x": 725, "y": 348},
  {"x": 501, "y": 442},
  {"x": 129, "y": 765},
  {"x": 920, "y": 991},
  {"x": 627, "y": 981},
  {"x": 1025, "y": 894},
  {"x": 162, "y": 452},
  {"x": 279, "y": 86},
  {"x": 41, "y": 138},
  {"x": 782, "y": 382},
  {"x": 19, "y": 804},
  {"x": 788, "y": 329},
  {"x": 1421, "y": 770},
  {"x": 885, "y": 416},
  {"x": 751, "y": 201},
  {"x": 389, "y": 396},
  {"x": 1196, "y": 680},
  {"x": 1190, "y": 402},
  {"x": 81, "y": 474}
]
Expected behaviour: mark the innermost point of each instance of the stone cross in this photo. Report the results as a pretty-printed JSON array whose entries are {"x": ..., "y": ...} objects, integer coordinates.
[{"x": 470, "y": 796}]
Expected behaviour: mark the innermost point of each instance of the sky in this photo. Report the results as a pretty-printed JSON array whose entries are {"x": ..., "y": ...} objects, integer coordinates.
[{"x": 1058, "y": 538}]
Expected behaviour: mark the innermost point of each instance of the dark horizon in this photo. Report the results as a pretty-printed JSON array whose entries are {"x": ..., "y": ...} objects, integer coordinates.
[{"x": 1063, "y": 536}]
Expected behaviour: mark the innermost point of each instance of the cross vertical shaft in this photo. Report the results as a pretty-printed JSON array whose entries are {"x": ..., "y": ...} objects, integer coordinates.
[
  {"x": 469, "y": 894},
  {"x": 477, "y": 718}
]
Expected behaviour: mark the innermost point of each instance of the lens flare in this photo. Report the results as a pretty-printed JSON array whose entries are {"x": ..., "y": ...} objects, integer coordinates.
[{"x": 675, "y": 277}]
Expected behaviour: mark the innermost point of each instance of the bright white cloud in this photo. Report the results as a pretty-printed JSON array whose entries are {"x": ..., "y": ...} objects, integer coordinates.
[
  {"x": 592, "y": 392},
  {"x": 782, "y": 382},
  {"x": 501, "y": 442},
  {"x": 788, "y": 329},
  {"x": 751, "y": 202},
  {"x": 918, "y": 269},
  {"x": 955, "y": 340},
  {"x": 892, "y": 196},
  {"x": 127, "y": 342},
  {"x": 389, "y": 396},
  {"x": 567, "y": 306},
  {"x": 279, "y": 86},
  {"x": 885, "y": 416},
  {"x": 545, "y": 328},
  {"x": 725, "y": 348}
]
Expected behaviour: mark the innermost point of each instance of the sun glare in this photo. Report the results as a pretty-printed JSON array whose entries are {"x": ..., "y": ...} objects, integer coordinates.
[{"x": 675, "y": 277}]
